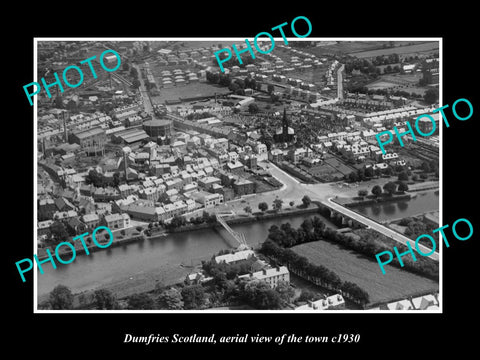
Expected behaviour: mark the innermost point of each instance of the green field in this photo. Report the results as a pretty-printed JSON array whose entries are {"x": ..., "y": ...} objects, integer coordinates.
[
  {"x": 405, "y": 82},
  {"x": 347, "y": 47},
  {"x": 351, "y": 266},
  {"x": 187, "y": 91},
  {"x": 417, "y": 49}
]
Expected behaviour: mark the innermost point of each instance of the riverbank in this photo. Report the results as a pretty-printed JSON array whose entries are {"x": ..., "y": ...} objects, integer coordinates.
[
  {"x": 80, "y": 250},
  {"x": 353, "y": 202},
  {"x": 420, "y": 203},
  {"x": 239, "y": 219},
  {"x": 165, "y": 257},
  {"x": 245, "y": 219}
]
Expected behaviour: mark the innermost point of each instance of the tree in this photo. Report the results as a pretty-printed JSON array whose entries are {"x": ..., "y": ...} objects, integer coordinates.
[
  {"x": 59, "y": 231},
  {"x": 133, "y": 72},
  {"x": 353, "y": 177},
  {"x": 263, "y": 206},
  {"x": 307, "y": 295},
  {"x": 233, "y": 86},
  {"x": 306, "y": 201},
  {"x": 170, "y": 299},
  {"x": 270, "y": 88},
  {"x": 274, "y": 97},
  {"x": 72, "y": 106},
  {"x": 388, "y": 171},
  {"x": 136, "y": 83},
  {"x": 61, "y": 298},
  {"x": 163, "y": 198},
  {"x": 402, "y": 187},
  {"x": 105, "y": 300},
  {"x": 140, "y": 302},
  {"x": 224, "y": 80},
  {"x": 426, "y": 167},
  {"x": 193, "y": 296},
  {"x": 58, "y": 102},
  {"x": 277, "y": 204},
  {"x": 252, "y": 108},
  {"x": 390, "y": 187},
  {"x": 377, "y": 190},
  {"x": 247, "y": 209},
  {"x": 403, "y": 176},
  {"x": 362, "y": 193},
  {"x": 260, "y": 296},
  {"x": 291, "y": 203},
  {"x": 285, "y": 291},
  {"x": 369, "y": 172},
  {"x": 177, "y": 221},
  {"x": 240, "y": 83},
  {"x": 116, "y": 178},
  {"x": 431, "y": 96}
]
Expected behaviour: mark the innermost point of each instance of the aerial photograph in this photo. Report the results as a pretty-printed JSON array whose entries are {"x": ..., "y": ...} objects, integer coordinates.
[{"x": 170, "y": 178}]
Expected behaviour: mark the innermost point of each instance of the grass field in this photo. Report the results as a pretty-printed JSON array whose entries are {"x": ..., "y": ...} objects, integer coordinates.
[
  {"x": 351, "y": 266},
  {"x": 346, "y": 47},
  {"x": 190, "y": 90},
  {"x": 405, "y": 82}
]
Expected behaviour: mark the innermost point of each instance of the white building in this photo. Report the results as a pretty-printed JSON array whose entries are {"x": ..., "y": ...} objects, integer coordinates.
[
  {"x": 235, "y": 257},
  {"x": 270, "y": 276},
  {"x": 427, "y": 302},
  {"x": 333, "y": 302},
  {"x": 117, "y": 221}
]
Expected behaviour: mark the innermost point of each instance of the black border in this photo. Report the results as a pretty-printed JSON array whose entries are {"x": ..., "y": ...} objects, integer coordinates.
[{"x": 104, "y": 333}]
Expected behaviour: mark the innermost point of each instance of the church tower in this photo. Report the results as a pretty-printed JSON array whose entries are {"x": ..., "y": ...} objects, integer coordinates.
[{"x": 285, "y": 124}]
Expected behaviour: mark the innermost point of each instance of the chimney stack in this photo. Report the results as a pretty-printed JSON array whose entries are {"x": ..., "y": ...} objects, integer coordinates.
[
  {"x": 125, "y": 165},
  {"x": 65, "y": 134}
]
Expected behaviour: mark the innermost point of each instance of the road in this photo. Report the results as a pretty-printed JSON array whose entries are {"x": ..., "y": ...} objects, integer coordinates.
[
  {"x": 380, "y": 228},
  {"x": 147, "y": 104},
  {"x": 293, "y": 190}
]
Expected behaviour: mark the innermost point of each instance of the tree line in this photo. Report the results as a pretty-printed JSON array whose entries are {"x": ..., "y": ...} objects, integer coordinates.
[
  {"x": 227, "y": 289},
  {"x": 367, "y": 242}
]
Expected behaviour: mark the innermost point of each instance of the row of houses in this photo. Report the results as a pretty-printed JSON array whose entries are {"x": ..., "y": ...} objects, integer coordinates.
[
  {"x": 426, "y": 302},
  {"x": 87, "y": 222}
]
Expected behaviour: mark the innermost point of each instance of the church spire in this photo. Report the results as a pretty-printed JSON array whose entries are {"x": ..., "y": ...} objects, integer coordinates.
[{"x": 285, "y": 122}]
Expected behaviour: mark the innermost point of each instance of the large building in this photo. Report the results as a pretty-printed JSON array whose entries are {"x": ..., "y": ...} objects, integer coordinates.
[
  {"x": 92, "y": 141},
  {"x": 117, "y": 221},
  {"x": 235, "y": 257},
  {"x": 158, "y": 128},
  {"x": 270, "y": 276}
]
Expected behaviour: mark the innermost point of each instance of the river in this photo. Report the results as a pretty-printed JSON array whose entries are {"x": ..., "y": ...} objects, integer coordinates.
[
  {"x": 162, "y": 257},
  {"x": 165, "y": 253}
]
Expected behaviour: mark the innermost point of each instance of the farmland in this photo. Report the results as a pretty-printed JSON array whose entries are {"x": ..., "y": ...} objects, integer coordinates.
[
  {"x": 417, "y": 49},
  {"x": 351, "y": 266},
  {"x": 405, "y": 82},
  {"x": 352, "y": 47}
]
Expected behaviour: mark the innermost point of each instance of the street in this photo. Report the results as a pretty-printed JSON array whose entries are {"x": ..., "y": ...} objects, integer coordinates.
[{"x": 293, "y": 190}]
